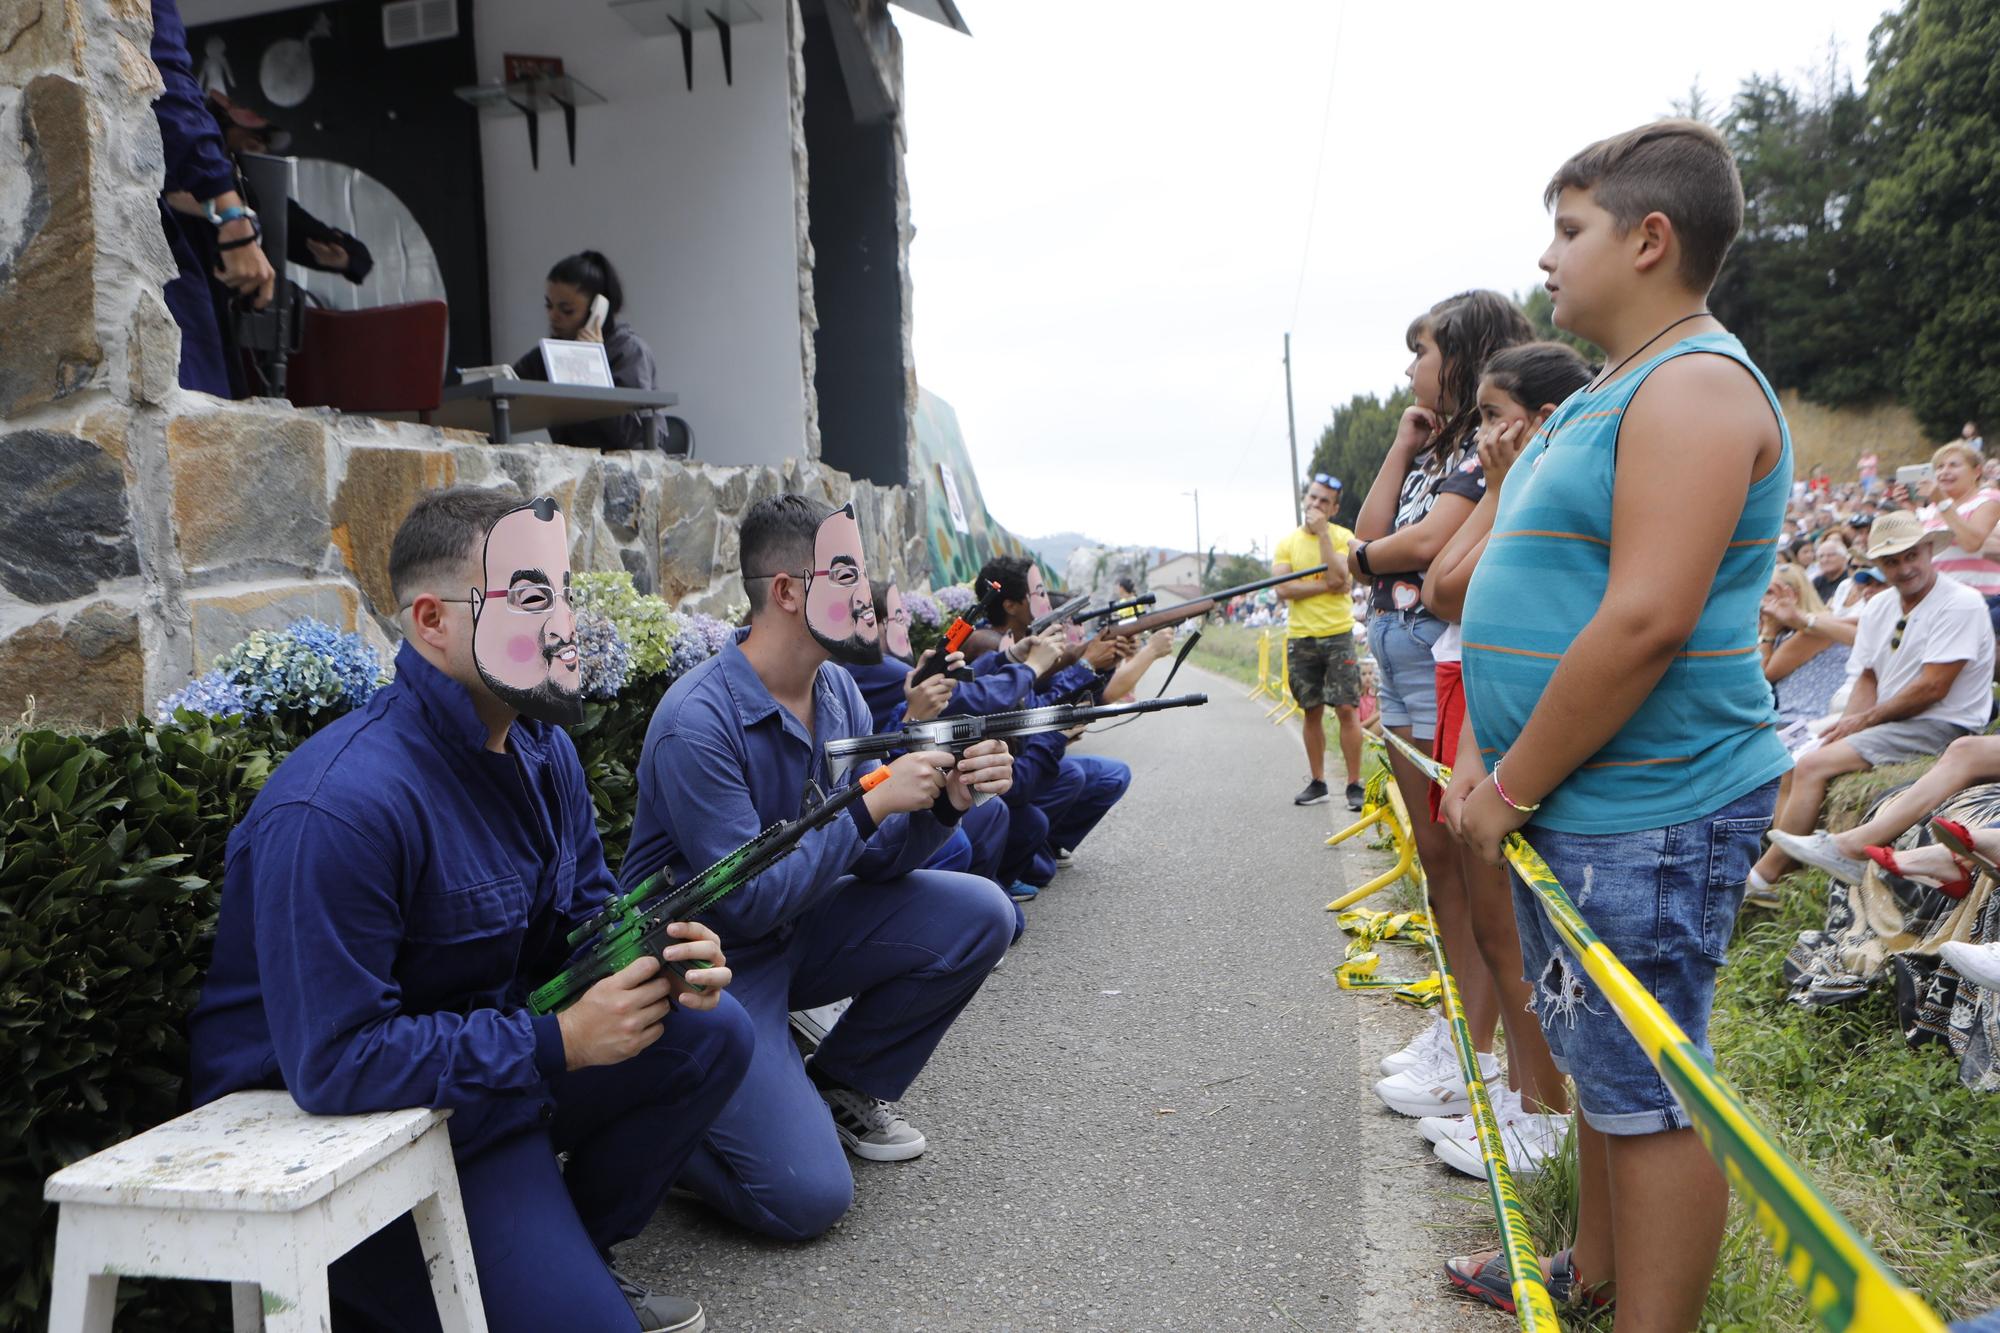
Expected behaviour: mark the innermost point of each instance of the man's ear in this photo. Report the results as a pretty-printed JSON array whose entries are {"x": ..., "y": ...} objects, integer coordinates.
[
  {"x": 426, "y": 615},
  {"x": 788, "y": 593},
  {"x": 1655, "y": 238}
]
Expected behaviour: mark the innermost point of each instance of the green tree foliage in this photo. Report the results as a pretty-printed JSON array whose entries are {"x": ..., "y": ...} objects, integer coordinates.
[
  {"x": 1810, "y": 294},
  {"x": 1933, "y": 205},
  {"x": 1540, "y": 307},
  {"x": 1353, "y": 445},
  {"x": 1228, "y": 571}
]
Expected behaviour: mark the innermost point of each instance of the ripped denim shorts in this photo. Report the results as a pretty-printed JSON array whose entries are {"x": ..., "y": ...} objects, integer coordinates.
[{"x": 1664, "y": 900}]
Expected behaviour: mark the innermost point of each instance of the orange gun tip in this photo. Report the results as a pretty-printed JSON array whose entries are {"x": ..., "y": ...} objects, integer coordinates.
[{"x": 874, "y": 778}]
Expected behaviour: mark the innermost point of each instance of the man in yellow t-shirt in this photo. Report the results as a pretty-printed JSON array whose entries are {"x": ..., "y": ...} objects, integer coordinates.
[{"x": 1319, "y": 637}]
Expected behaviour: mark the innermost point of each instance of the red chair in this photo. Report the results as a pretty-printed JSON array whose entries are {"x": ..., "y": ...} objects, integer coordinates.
[{"x": 387, "y": 358}]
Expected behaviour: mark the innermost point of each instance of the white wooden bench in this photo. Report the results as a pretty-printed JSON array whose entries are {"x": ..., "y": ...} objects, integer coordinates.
[{"x": 253, "y": 1191}]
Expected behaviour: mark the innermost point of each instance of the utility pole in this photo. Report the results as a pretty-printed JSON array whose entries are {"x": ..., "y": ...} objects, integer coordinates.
[
  {"x": 1197, "y": 531},
  {"x": 1292, "y": 426}
]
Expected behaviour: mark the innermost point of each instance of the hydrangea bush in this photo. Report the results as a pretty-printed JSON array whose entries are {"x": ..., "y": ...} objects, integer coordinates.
[
  {"x": 308, "y": 667},
  {"x": 646, "y": 624},
  {"x": 955, "y": 600},
  {"x": 604, "y": 660}
]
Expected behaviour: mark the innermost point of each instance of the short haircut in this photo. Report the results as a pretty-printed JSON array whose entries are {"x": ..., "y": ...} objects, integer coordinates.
[
  {"x": 441, "y": 534},
  {"x": 1681, "y": 168},
  {"x": 1010, "y": 572},
  {"x": 776, "y": 537},
  {"x": 1536, "y": 373},
  {"x": 1960, "y": 448}
]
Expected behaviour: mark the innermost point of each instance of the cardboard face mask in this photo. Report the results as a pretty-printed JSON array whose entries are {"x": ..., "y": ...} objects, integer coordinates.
[
  {"x": 896, "y": 631},
  {"x": 523, "y": 627},
  {"x": 840, "y": 604},
  {"x": 1038, "y": 595}
]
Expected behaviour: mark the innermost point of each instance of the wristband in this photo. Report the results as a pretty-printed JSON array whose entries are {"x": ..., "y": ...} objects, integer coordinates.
[
  {"x": 1511, "y": 802},
  {"x": 227, "y": 215},
  {"x": 241, "y": 241},
  {"x": 1361, "y": 559}
]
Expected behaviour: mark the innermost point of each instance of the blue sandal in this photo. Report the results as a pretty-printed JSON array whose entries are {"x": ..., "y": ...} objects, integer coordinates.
[{"x": 1492, "y": 1283}]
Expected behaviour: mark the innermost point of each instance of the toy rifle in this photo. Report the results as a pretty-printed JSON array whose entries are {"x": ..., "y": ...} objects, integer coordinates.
[
  {"x": 1201, "y": 606},
  {"x": 1059, "y": 614},
  {"x": 957, "y": 734},
  {"x": 955, "y": 635},
  {"x": 1118, "y": 608},
  {"x": 635, "y": 924}
]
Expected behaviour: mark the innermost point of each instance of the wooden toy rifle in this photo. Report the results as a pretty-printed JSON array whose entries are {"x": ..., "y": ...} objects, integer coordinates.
[{"x": 1201, "y": 606}]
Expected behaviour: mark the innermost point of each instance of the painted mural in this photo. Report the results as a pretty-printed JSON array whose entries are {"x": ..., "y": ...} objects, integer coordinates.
[{"x": 963, "y": 536}]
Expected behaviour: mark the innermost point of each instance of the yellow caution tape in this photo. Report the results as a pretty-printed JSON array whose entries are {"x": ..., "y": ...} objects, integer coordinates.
[{"x": 1846, "y": 1284}]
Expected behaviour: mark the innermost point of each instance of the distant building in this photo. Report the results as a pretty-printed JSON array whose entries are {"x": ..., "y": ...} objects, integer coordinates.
[{"x": 1178, "y": 575}]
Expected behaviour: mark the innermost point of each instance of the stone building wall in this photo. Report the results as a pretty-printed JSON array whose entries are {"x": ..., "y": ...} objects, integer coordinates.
[{"x": 145, "y": 529}]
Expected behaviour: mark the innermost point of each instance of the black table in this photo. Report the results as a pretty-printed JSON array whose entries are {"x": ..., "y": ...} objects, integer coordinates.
[{"x": 526, "y": 405}]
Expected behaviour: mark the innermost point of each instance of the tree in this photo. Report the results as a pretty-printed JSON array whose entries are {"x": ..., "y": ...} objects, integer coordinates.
[
  {"x": 1228, "y": 571},
  {"x": 1540, "y": 308},
  {"x": 1934, "y": 204},
  {"x": 1353, "y": 445}
]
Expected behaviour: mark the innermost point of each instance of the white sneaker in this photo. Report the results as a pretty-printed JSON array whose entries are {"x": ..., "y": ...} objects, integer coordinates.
[
  {"x": 1421, "y": 1050},
  {"x": 1818, "y": 850},
  {"x": 1438, "y": 1128},
  {"x": 1530, "y": 1140},
  {"x": 812, "y": 1025},
  {"x": 870, "y": 1126},
  {"x": 1434, "y": 1089},
  {"x": 1977, "y": 963}
]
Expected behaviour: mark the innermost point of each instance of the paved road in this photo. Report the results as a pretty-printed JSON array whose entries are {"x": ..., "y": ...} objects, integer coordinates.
[{"x": 1152, "y": 1115}]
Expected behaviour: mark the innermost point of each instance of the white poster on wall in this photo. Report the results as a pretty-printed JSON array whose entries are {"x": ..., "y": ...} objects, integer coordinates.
[{"x": 951, "y": 500}]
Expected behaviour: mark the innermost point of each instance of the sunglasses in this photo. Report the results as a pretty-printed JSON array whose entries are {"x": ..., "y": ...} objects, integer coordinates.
[
  {"x": 1326, "y": 479},
  {"x": 1896, "y": 639}
]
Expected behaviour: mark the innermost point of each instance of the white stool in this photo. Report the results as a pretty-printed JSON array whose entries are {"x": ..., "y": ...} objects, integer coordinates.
[{"x": 253, "y": 1191}]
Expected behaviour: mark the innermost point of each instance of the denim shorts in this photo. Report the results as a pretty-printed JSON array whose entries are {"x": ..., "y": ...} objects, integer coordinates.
[
  {"x": 1664, "y": 900},
  {"x": 1405, "y": 672}
]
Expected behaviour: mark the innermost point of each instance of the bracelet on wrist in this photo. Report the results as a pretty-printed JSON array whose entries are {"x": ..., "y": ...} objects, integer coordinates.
[
  {"x": 241, "y": 241},
  {"x": 224, "y": 216},
  {"x": 1501, "y": 792},
  {"x": 1361, "y": 559}
]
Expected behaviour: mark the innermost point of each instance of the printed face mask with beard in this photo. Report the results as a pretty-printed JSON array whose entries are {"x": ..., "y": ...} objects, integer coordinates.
[
  {"x": 840, "y": 604},
  {"x": 896, "y": 633},
  {"x": 523, "y": 627}
]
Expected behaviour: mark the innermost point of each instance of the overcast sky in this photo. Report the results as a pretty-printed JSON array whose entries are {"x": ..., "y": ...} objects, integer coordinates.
[{"x": 1111, "y": 202}]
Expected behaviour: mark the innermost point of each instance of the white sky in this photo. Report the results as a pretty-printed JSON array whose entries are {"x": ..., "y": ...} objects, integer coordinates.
[{"x": 1111, "y": 202}]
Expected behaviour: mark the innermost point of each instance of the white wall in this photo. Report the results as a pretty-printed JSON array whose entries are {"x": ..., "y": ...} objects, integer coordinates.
[{"x": 689, "y": 194}]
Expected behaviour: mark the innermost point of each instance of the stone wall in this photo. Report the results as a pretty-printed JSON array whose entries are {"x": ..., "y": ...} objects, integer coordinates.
[{"x": 148, "y": 529}]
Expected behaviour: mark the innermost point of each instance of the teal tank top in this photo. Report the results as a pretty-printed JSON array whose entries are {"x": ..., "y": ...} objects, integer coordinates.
[{"x": 1707, "y": 733}]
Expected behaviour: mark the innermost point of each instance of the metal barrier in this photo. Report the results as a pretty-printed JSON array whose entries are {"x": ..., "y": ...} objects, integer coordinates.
[
  {"x": 1282, "y": 692},
  {"x": 1847, "y": 1287},
  {"x": 1262, "y": 689}
]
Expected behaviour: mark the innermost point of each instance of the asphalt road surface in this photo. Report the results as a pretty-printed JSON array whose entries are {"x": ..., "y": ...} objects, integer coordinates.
[{"x": 1153, "y": 1116}]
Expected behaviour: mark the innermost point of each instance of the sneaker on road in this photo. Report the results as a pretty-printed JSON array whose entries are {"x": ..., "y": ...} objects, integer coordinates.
[
  {"x": 1817, "y": 849},
  {"x": 813, "y": 1024},
  {"x": 1438, "y": 1128},
  {"x": 1977, "y": 963},
  {"x": 1530, "y": 1141},
  {"x": 870, "y": 1127},
  {"x": 1355, "y": 796},
  {"x": 1314, "y": 794},
  {"x": 659, "y": 1313},
  {"x": 1433, "y": 1089},
  {"x": 1421, "y": 1049},
  {"x": 1065, "y": 858},
  {"x": 1023, "y": 892}
]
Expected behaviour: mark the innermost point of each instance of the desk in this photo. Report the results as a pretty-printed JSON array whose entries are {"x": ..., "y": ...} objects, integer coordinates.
[{"x": 525, "y": 405}]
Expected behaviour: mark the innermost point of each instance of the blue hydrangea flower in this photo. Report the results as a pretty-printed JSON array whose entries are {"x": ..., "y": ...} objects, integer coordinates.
[
  {"x": 305, "y": 667},
  {"x": 605, "y": 660},
  {"x": 955, "y": 600},
  {"x": 922, "y": 608},
  {"x": 213, "y": 694}
]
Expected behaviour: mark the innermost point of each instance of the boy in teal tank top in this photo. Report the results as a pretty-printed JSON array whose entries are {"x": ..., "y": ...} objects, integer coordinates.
[{"x": 1616, "y": 706}]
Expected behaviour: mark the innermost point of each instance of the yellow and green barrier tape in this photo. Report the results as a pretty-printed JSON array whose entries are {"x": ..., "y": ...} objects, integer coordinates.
[{"x": 1847, "y": 1287}]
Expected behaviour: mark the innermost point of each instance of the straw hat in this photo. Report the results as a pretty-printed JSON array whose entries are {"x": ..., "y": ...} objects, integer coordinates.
[{"x": 1896, "y": 532}]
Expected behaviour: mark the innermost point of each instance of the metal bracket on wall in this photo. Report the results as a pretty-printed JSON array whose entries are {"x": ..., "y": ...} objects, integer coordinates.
[
  {"x": 685, "y": 18},
  {"x": 529, "y": 98}
]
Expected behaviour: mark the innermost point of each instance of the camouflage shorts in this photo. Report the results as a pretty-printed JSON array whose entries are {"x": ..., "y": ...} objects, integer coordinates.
[{"x": 1324, "y": 671}]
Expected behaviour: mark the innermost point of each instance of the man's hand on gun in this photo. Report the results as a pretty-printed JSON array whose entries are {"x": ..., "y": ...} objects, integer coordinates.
[
  {"x": 914, "y": 783},
  {"x": 927, "y": 699},
  {"x": 987, "y": 767},
  {"x": 1104, "y": 650},
  {"x": 623, "y": 1014},
  {"x": 1040, "y": 653}
]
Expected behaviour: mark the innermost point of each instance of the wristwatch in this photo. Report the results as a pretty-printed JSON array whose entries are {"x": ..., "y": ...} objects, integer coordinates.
[{"x": 223, "y": 217}]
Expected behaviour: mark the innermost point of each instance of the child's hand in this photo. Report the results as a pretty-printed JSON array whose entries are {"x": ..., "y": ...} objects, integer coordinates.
[
  {"x": 1419, "y": 424},
  {"x": 1499, "y": 447}
]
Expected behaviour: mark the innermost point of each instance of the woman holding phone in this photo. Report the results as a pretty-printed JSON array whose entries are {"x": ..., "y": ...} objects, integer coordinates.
[
  {"x": 1957, "y": 501},
  {"x": 583, "y": 298}
]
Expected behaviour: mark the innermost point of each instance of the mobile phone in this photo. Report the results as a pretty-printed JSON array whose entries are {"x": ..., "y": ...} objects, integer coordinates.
[
  {"x": 600, "y": 310},
  {"x": 1913, "y": 476}
]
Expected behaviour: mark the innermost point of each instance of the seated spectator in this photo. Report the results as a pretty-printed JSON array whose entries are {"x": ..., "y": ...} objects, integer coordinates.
[
  {"x": 573, "y": 285},
  {"x": 1804, "y": 660},
  {"x": 1966, "y": 511},
  {"x": 1853, "y": 592},
  {"x": 1921, "y": 675},
  {"x": 1831, "y": 559},
  {"x": 1965, "y": 762}
]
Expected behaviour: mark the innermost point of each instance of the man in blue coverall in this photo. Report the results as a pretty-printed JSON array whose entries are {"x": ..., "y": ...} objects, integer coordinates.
[
  {"x": 733, "y": 748},
  {"x": 399, "y": 885}
]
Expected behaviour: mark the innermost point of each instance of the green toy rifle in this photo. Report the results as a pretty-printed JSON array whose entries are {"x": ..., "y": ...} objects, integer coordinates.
[{"x": 631, "y": 926}]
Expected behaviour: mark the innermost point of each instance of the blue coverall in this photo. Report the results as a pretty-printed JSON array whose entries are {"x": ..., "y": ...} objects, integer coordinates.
[
  {"x": 196, "y": 161},
  {"x": 393, "y": 893},
  {"x": 849, "y": 913}
]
